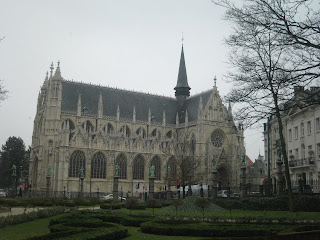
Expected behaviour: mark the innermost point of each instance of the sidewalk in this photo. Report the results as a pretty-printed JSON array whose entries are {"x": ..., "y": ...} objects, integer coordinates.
[{"x": 17, "y": 210}]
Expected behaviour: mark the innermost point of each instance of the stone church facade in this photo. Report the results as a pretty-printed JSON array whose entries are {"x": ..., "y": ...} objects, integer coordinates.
[{"x": 79, "y": 125}]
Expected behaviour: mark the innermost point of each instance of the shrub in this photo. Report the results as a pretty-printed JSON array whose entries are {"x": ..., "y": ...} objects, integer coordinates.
[
  {"x": 27, "y": 217},
  {"x": 83, "y": 225},
  {"x": 185, "y": 228}
]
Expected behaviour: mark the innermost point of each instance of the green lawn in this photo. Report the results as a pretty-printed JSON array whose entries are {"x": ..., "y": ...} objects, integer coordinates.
[
  {"x": 25, "y": 230},
  {"x": 40, "y": 227},
  {"x": 234, "y": 213}
]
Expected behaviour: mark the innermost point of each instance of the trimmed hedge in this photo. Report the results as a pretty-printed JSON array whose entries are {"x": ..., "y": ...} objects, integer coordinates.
[
  {"x": 202, "y": 229},
  {"x": 123, "y": 219},
  {"x": 82, "y": 225},
  {"x": 305, "y": 203},
  {"x": 27, "y": 217},
  {"x": 47, "y": 202}
]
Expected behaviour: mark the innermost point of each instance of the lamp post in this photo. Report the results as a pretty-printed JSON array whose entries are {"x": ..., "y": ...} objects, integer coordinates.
[
  {"x": 115, "y": 183},
  {"x": 81, "y": 195},
  {"x": 214, "y": 178},
  {"x": 151, "y": 181},
  {"x": 243, "y": 177}
]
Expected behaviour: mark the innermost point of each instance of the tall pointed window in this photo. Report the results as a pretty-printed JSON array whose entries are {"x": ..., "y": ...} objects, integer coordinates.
[
  {"x": 77, "y": 161},
  {"x": 138, "y": 168},
  {"x": 121, "y": 161},
  {"x": 156, "y": 162},
  {"x": 98, "y": 165}
]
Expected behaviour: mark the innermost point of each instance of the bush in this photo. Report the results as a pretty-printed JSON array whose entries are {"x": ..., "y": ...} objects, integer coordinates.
[
  {"x": 189, "y": 205},
  {"x": 27, "y": 217},
  {"x": 111, "y": 206},
  {"x": 83, "y": 225},
  {"x": 81, "y": 202},
  {"x": 202, "y": 229},
  {"x": 307, "y": 203}
]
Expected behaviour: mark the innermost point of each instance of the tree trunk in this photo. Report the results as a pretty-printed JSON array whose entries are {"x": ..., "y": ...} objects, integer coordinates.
[
  {"x": 284, "y": 153},
  {"x": 183, "y": 192}
]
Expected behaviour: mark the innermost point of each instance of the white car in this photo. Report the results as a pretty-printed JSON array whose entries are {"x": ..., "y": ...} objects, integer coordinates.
[
  {"x": 110, "y": 197},
  {"x": 3, "y": 193},
  {"x": 222, "y": 193}
]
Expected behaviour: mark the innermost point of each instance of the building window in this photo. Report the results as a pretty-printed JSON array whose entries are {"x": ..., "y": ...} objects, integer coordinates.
[
  {"x": 290, "y": 135},
  {"x": 121, "y": 161},
  {"x": 317, "y": 124},
  {"x": 98, "y": 165},
  {"x": 302, "y": 129},
  {"x": 318, "y": 149},
  {"x": 309, "y": 127},
  {"x": 311, "y": 178},
  {"x": 217, "y": 138},
  {"x": 77, "y": 161},
  {"x": 303, "y": 151},
  {"x": 296, "y": 133},
  {"x": 296, "y": 154},
  {"x": 156, "y": 163},
  {"x": 138, "y": 168}
]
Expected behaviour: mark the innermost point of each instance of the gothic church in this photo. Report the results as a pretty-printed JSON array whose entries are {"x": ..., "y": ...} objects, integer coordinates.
[{"x": 79, "y": 125}]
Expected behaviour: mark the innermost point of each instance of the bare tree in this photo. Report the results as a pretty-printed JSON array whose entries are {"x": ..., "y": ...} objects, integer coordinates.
[
  {"x": 271, "y": 55},
  {"x": 188, "y": 170},
  {"x": 3, "y": 92}
]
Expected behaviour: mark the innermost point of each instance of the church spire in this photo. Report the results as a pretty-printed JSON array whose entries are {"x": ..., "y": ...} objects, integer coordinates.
[
  {"x": 182, "y": 88},
  {"x": 57, "y": 73}
]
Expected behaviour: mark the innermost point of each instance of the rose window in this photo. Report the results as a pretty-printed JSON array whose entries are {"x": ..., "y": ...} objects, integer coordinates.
[{"x": 217, "y": 138}]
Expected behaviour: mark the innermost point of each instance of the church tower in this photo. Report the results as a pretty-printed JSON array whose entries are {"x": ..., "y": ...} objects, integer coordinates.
[{"x": 182, "y": 88}]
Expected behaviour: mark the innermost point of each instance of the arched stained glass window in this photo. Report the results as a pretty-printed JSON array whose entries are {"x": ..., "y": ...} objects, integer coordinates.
[
  {"x": 217, "y": 138},
  {"x": 156, "y": 162},
  {"x": 138, "y": 168},
  {"x": 121, "y": 161},
  {"x": 98, "y": 165},
  {"x": 77, "y": 161},
  {"x": 109, "y": 129}
]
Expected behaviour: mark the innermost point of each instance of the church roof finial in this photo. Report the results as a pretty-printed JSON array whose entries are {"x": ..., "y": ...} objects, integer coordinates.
[
  {"x": 215, "y": 81},
  {"x": 58, "y": 73},
  {"x": 51, "y": 69}
]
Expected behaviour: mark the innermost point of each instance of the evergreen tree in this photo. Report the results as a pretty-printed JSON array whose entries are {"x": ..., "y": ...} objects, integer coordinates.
[{"x": 13, "y": 153}]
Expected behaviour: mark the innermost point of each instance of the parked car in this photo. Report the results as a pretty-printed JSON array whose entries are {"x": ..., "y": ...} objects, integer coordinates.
[
  {"x": 3, "y": 193},
  {"x": 110, "y": 197},
  {"x": 222, "y": 193}
]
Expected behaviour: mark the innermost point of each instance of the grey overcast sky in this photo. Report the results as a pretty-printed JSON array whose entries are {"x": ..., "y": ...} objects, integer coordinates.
[{"x": 127, "y": 44}]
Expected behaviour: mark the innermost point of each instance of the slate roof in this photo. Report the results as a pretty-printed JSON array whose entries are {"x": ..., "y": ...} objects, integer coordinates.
[
  {"x": 192, "y": 105},
  {"x": 111, "y": 97}
]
